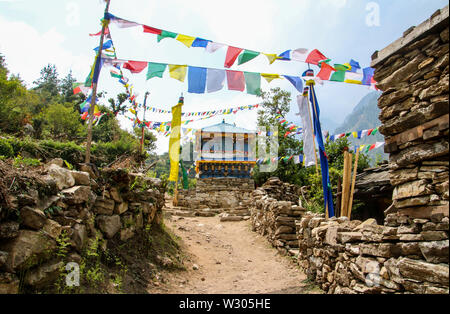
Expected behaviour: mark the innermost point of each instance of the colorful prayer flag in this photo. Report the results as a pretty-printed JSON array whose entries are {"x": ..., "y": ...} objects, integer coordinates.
[
  {"x": 196, "y": 80},
  {"x": 215, "y": 80},
  {"x": 155, "y": 70},
  {"x": 174, "y": 141},
  {"x": 166, "y": 34},
  {"x": 253, "y": 83},
  {"x": 185, "y": 40},
  {"x": 236, "y": 80},
  {"x": 178, "y": 72},
  {"x": 232, "y": 54},
  {"x": 247, "y": 55},
  {"x": 135, "y": 66}
]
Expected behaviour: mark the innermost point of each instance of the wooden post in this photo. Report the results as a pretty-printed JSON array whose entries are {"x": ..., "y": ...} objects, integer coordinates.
[
  {"x": 355, "y": 170},
  {"x": 344, "y": 185},
  {"x": 94, "y": 92},
  {"x": 143, "y": 123},
  {"x": 339, "y": 198}
]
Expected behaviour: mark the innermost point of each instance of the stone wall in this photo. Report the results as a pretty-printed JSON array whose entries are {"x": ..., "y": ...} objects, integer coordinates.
[
  {"x": 78, "y": 205},
  {"x": 217, "y": 193},
  {"x": 413, "y": 73},
  {"x": 274, "y": 211},
  {"x": 403, "y": 256}
]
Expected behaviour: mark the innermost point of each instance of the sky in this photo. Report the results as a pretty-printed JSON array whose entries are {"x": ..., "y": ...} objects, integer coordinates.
[{"x": 36, "y": 33}]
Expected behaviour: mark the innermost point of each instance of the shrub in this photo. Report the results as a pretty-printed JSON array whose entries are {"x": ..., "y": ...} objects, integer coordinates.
[{"x": 6, "y": 148}]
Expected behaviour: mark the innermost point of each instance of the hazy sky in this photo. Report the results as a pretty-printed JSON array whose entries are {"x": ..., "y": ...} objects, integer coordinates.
[{"x": 35, "y": 33}]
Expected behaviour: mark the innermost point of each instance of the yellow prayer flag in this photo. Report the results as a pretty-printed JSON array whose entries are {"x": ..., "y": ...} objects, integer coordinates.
[
  {"x": 186, "y": 40},
  {"x": 96, "y": 110},
  {"x": 177, "y": 72},
  {"x": 271, "y": 56},
  {"x": 132, "y": 111},
  {"x": 174, "y": 141},
  {"x": 355, "y": 134},
  {"x": 270, "y": 77}
]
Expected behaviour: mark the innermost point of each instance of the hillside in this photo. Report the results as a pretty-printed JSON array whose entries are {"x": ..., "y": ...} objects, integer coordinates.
[{"x": 365, "y": 116}]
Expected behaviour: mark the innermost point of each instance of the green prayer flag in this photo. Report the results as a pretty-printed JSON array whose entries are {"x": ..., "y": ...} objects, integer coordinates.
[
  {"x": 247, "y": 55},
  {"x": 185, "y": 176},
  {"x": 116, "y": 75},
  {"x": 253, "y": 83},
  {"x": 156, "y": 70},
  {"x": 339, "y": 75},
  {"x": 166, "y": 34}
]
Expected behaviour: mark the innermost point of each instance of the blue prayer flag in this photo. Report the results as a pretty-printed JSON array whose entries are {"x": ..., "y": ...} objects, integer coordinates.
[
  {"x": 200, "y": 42},
  {"x": 196, "y": 80},
  {"x": 368, "y": 75},
  {"x": 355, "y": 65},
  {"x": 296, "y": 81},
  {"x": 285, "y": 56}
]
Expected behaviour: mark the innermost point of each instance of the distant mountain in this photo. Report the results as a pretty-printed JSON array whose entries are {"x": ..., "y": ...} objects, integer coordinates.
[
  {"x": 328, "y": 124},
  {"x": 363, "y": 117}
]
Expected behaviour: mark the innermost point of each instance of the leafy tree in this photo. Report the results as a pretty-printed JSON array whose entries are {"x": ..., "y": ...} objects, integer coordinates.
[
  {"x": 66, "y": 88},
  {"x": 48, "y": 84},
  {"x": 118, "y": 106},
  {"x": 149, "y": 139},
  {"x": 61, "y": 122}
]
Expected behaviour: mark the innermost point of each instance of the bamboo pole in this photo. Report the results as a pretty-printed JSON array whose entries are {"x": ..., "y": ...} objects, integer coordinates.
[
  {"x": 344, "y": 186},
  {"x": 339, "y": 198},
  {"x": 355, "y": 170},
  {"x": 94, "y": 92}
]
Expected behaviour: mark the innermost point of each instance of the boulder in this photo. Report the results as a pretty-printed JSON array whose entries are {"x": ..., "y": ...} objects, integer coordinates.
[
  {"x": 56, "y": 161},
  {"x": 32, "y": 218},
  {"x": 9, "y": 283},
  {"x": 109, "y": 225},
  {"x": 435, "y": 251},
  {"x": 27, "y": 249},
  {"x": 104, "y": 206},
  {"x": 81, "y": 177},
  {"x": 44, "y": 274},
  {"x": 77, "y": 194},
  {"x": 120, "y": 208},
  {"x": 3, "y": 258},
  {"x": 62, "y": 176},
  {"x": 79, "y": 236},
  {"x": 52, "y": 228},
  {"x": 115, "y": 195},
  {"x": 347, "y": 237},
  {"x": 423, "y": 271},
  {"x": 9, "y": 230}
]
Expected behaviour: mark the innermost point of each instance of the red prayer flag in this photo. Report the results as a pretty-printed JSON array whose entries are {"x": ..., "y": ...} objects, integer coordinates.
[
  {"x": 315, "y": 56},
  {"x": 135, "y": 66},
  {"x": 151, "y": 30},
  {"x": 232, "y": 54},
  {"x": 372, "y": 147},
  {"x": 100, "y": 32},
  {"x": 325, "y": 71},
  {"x": 236, "y": 80},
  {"x": 84, "y": 116}
]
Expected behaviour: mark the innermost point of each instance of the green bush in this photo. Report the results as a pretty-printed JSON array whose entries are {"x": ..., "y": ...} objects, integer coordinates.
[{"x": 6, "y": 148}]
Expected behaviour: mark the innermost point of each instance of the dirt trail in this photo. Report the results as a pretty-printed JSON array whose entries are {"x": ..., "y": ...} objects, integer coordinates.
[{"x": 230, "y": 259}]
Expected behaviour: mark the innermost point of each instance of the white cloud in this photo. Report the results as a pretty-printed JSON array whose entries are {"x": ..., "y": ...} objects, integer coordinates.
[{"x": 27, "y": 51}]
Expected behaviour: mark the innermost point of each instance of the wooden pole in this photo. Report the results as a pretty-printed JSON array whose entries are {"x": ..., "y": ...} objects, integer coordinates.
[
  {"x": 94, "y": 92},
  {"x": 348, "y": 174},
  {"x": 355, "y": 170},
  {"x": 143, "y": 125},
  {"x": 339, "y": 198},
  {"x": 344, "y": 184}
]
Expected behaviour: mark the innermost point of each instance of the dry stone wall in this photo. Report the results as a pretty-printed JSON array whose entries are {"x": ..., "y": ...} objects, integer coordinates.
[
  {"x": 403, "y": 256},
  {"x": 82, "y": 205},
  {"x": 274, "y": 211},
  {"x": 413, "y": 73}
]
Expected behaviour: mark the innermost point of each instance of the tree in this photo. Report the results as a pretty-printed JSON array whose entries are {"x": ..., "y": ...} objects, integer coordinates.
[
  {"x": 149, "y": 139},
  {"x": 61, "y": 122},
  {"x": 66, "y": 88},
  {"x": 48, "y": 84},
  {"x": 117, "y": 106}
]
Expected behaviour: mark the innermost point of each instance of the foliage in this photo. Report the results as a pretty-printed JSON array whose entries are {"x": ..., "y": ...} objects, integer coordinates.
[
  {"x": 62, "y": 122},
  {"x": 20, "y": 161},
  {"x": 6, "y": 148}
]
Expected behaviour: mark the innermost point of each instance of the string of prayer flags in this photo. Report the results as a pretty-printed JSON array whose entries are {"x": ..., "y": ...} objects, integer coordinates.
[
  {"x": 80, "y": 88},
  {"x": 356, "y": 134},
  {"x": 367, "y": 148}
]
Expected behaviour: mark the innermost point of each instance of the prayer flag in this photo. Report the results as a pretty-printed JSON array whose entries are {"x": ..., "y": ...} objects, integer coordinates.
[
  {"x": 215, "y": 80},
  {"x": 151, "y": 30},
  {"x": 308, "y": 133},
  {"x": 119, "y": 22},
  {"x": 186, "y": 40},
  {"x": 177, "y": 72},
  {"x": 354, "y": 65},
  {"x": 232, "y": 54},
  {"x": 166, "y": 34},
  {"x": 135, "y": 66},
  {"x": 174, "y": 141},
  {"x": 247, "y": 55},
  {"x": 325, "y": 71},
  {"x": 270, "y": 77},
  {"x": 200, "y": 42},
  {"x": 299, "y": 54},
  {"x": 213, "y": 47},
  {"x": 353, "y": 78},
  {"x": 196, "y": 80},
  {"x": 296, "y": 81},
  {"x": 368, "y": 75},
  {"x": 271, "y": 57},
  {"x": 315, "y": 56},
  {"x": 253, "y": 83},
  {"x": 285, "y": 56},
  {"x": 236, "y": 80},
  {"x": 155, "y": 70},
  {"x": 339, "y": 75}
]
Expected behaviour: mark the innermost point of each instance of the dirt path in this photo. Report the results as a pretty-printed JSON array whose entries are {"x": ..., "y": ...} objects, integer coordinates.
[{"x": 230, "y": 259}]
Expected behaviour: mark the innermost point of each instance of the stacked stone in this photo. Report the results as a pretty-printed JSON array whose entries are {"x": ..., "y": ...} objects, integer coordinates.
[
  {"x": 403, "y": 256},
  {"x": 273, "y": 214},
  {"x": 81, "y": 204},
  {"x": 413, "y": 72},
  {"x": 223, "y": 193}
]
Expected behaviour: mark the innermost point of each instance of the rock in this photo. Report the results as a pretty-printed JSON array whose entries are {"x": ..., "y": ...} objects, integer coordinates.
[
  {"x": 410, "y": 189},
  {"x": 115, "y": 195},
  {"x": 55, "y": 161},
  {"x": 9, "y": 230},
  {"x": 434, "y": 235},
  {"x": 90, "y": 169},
  {"x": 435, "y": 251},
  {"x": 345, "y": 237},
  {"x": 120, "y": 208},
  {"x": 3, "y": 258},
  {"x": 76, "y": 194},
  {"x": 9, "y": 283},
  {"x": 104, "y": 206},
  {"x": 380, "y": 250},
  {"x": 32, "y": 218},
  {"x": 44, "y": 275},
  {"x": 109, "y": 225},
  {"x": 368, "y": 222},
  {"x": 63, "y": 177},
  {"x": 46, "y": 202},
  {"x": 79, "y": 236},
  {"x": 81, "y": 177},
  {"x": 195, "y": 267},
  {"x": 52, "y": 228},
  {"x": 423, "y": 271},
  {"x": 332, "y": 235},
  {"x": 126, "y": 234},
  {"x": 27, "y": 248}
]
